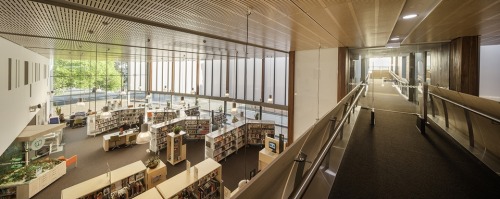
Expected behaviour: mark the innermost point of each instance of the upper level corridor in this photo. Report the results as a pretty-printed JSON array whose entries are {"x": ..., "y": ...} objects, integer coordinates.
[{"x": 392, "y": 159}]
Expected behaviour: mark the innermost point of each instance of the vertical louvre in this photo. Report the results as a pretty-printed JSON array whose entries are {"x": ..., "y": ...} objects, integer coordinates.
[
  {"x": 9, "y": 87},
  {"x": 26, "y": 66}
]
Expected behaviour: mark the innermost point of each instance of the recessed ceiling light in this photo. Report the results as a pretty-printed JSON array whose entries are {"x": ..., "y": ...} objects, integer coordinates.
[
  {"x": 394, "y": 38},
  {"x": 410, "y": 16}
]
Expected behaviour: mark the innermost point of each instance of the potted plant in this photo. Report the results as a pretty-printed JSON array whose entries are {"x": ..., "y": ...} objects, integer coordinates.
[
  {"x": 153, "y": 162},
  {"x": 168, "y": 105},
  {"x": 58, "y": 110},
  {"x": 220, "y": 108},
  {"x": 177, "y": 129},
  {"x": 235, "y": 119},
  {"x": 257, "y": 116}
]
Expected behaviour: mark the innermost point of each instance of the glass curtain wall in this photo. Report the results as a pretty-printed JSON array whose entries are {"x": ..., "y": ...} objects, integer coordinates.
[{"x": 104, "y": 78}]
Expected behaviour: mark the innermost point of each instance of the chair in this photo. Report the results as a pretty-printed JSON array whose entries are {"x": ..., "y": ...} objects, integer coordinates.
[
  {"x": 131, "y": 139},
  {"x": 78, "y": 122},
  {"x": 115, "y": 138}
]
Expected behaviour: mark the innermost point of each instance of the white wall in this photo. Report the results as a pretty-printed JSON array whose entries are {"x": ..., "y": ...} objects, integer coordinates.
[
  {"x": 489, "y": 72},
  {"x": 306, "y": 86},
  {"x": 15, "y": 103}
]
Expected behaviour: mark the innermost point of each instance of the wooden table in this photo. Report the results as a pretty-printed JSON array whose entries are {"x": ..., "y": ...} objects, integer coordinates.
[{"x": 126, "y": 134}]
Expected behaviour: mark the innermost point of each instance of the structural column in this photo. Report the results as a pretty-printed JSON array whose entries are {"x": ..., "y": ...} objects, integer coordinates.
[
  {"x": 342, "y": 73},
  {"x": 464, "y": 65}
]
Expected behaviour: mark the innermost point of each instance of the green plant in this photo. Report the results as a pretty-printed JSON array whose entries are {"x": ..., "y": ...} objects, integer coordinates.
[
  {"x": 257, "y": 116},
  {"x": 235, "y": 119},
  {"x": 152, "y": 162},
  {"x": 220, "y": 108},
  {"x": 58, "y": 110},
  {"x": 177, "y": 129}
]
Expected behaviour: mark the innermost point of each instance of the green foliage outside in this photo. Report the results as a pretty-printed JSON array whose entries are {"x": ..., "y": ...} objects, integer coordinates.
[{"x": 81, "y": 74}]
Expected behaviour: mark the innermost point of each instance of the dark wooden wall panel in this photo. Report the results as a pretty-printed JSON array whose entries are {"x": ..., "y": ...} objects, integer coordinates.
[
  {"x": 464, "y": 65},
  {"x": 440, "y": 66}
]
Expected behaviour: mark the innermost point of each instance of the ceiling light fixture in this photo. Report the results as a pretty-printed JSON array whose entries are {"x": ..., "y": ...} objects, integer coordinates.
[
  {"x": 80, "y": 102},
  {"x": 105, "y": 113},
  {"x": 410, "y": 16},
  {"x": 395, "y": 39},
  {"x": 144, "y": 136}
]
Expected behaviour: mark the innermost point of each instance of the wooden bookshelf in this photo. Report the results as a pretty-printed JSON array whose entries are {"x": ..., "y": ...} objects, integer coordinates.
[
  {"x": 196, "y": 127},
  {"x": 176, "y": 150},
  {"x": 257, "y": 131},
  {"x": 207, "y": 184},
  {"x": 160, "y": 131},
  {"x": 221, "y": 143},
  {"x": 192, "y": 111},
  {"x": 97, "y": 125},
  {"x": 129, "y": 179}
]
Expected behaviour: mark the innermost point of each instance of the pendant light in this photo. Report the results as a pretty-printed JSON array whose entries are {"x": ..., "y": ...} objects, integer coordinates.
[
  {"x": 80, "y": 102},
  {"x": 182, "y": 101},
  {"x": 105, "y": 113},
  {"x": 193, "y": 91},
  {"x": 234, "y": 110},
  {"x": 144, "y": 136},
  {"x": 270, "y": 99},
  {"x": 227, "y": 93}
]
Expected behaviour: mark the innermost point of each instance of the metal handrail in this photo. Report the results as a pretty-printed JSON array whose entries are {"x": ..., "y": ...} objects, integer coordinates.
[
  {"x": 299, "y": 191},
  {"x": 467, "y": 108},
  {"x": 398, "y": 78}
]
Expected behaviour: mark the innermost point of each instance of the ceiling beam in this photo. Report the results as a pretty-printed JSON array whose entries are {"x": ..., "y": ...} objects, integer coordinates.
[{"x": 89, "y": 9}]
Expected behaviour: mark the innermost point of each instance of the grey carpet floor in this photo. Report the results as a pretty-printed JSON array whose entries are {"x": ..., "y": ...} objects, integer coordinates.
[
  {"x": 393, "y": 160},
  {"x": 93, "y": 161}
]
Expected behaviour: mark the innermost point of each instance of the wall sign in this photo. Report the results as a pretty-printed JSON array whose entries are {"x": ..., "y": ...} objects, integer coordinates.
[{"x": 37, "y": 143}]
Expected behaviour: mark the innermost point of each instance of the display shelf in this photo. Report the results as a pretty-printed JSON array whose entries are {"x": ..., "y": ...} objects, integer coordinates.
[
  {"x": 221, "y": 143},
  {"x": 160, "y": 131},
  {"x": 207, "y": 183},
  {"x": 127, "y": 181},
  {"x": 258, "y": 129},
  {"x": 97, "y": 125},
  {"x": 192, "y": 111},
  {"x": 196, "y": 127},
  {"x": 162, "y": 116},
  {"x": 176, "y": 150},
  {"x": 218, "y": 118}
]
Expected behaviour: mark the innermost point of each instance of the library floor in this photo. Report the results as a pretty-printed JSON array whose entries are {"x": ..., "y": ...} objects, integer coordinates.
[{"x": 94, "y": 161}]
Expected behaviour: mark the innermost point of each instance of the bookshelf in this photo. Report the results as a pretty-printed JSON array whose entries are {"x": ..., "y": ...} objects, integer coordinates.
[
  {"x": 218, "y": 118},
  {"x": 192, "y": 111},
  {"x": 196, "y": 127},
  {"x": 127, "y": 182},
  {"x": 258, "y": 129},
  {"x": 160, "y": 131},
  {"x": 97, "y": 125},
  {"x": 206, "y": 182},
  {"x": 221, "y": 143},
  {"x": 162, "y": 116},
  {"x": 176, "y": 150}
]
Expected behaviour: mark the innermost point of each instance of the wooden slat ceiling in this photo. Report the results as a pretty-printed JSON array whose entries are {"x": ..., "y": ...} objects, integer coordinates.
[{"x": 285, "y": 25}]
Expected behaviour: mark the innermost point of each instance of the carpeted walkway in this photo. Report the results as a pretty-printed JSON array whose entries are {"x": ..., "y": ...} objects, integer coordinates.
[
  {"x": 393, "y": 160},
  {"x": 93, "y": 160}
]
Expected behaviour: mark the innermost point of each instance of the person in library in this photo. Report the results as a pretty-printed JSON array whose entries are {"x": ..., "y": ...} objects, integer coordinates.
[{"x": 141, "y": 120}]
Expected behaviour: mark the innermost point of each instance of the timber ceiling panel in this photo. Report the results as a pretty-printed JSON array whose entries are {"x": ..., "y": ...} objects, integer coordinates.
[
  {"x": 456, "y": 18},
  {"x": 284, "y": 25}
]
